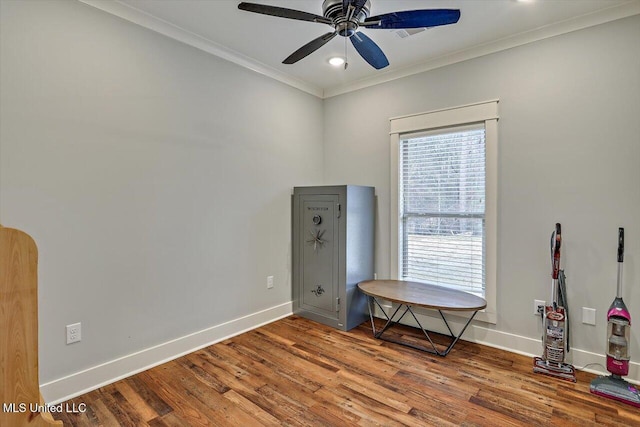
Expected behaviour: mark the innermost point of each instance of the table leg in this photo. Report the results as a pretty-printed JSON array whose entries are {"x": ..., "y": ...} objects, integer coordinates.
[{"x": 372, "y": 301}]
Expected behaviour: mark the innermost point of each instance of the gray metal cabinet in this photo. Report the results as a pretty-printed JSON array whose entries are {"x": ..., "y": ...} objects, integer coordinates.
[{"x": 333, "y": 244}]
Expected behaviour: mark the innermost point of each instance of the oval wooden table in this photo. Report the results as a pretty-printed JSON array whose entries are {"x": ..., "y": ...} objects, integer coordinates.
[{"x": 413, "y": 294}]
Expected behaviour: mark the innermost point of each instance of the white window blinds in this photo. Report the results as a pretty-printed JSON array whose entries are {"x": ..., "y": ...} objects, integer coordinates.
[{"x": 442, "y": 189}]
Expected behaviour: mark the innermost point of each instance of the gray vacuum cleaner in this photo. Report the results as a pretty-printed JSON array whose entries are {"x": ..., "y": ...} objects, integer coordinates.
[
  {"x": 555, "y": 321},
  {"x": 618, "y": 328}
]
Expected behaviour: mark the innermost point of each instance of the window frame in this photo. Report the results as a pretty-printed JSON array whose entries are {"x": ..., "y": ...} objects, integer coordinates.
[{"x": 482, "y": 112}]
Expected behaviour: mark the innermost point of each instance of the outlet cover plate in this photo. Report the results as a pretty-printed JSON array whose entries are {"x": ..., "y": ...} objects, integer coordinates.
[
  {"x": 536, "y": 304},
  {"x": 74, "y": 333},
  {"x": 588, "y": 316}
]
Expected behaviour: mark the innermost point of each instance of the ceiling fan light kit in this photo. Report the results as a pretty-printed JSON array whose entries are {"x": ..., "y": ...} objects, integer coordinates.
[
  {"x": 347, "y": 16},
  {"x": 336, "y": 61}
]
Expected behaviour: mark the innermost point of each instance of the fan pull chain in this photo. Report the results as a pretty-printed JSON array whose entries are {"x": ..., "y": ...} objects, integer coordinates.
[{"x": 346, "y": 63}]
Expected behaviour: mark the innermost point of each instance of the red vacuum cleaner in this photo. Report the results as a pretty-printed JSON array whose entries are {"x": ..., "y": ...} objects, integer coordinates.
[
  {"x": 555, "y": 321},
  {"x": 618, "y": 333}
]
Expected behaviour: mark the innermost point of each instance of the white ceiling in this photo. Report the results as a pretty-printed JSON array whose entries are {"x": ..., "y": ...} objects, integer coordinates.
[{"x": 261, "y": 42}]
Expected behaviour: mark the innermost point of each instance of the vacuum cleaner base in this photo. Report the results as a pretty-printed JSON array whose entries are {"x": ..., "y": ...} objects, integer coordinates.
[
  {"x": 563, "y": 371},
  {"x": 617, "y": 389}
]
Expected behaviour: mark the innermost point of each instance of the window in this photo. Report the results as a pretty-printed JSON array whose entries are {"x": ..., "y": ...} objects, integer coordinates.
[
  {"x": 444, "y": 202},
  {"x": 442, "y": 195}
]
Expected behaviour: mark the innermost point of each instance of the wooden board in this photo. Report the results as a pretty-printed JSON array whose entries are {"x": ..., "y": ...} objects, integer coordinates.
[
  {"x": 422, "y": 295},
  {"x": 19, "y": 383}
]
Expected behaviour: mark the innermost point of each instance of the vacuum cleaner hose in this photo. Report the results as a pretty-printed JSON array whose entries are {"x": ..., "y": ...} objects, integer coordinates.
[{"x": 563, "y": 302}]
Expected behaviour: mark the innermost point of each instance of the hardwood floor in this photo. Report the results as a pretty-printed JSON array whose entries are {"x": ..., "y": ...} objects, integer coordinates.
[{"x": 300, "y": 373}]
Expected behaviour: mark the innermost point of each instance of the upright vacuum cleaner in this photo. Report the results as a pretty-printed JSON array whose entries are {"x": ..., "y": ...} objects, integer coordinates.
[
  {"x": 618, "y": 333},
  {"x": 555, "y": 321}
]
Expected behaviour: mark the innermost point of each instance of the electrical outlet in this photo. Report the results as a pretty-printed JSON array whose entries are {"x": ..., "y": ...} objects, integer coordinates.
[
  {"x": 536, "y": 304},
  {"x": 74, "y": 333},
  {"x": 588, "y": 316},
  {"x": 269, "y": 282}
]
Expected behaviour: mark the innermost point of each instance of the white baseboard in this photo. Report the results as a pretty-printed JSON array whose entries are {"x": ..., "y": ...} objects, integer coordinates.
[
  {"x": 581, "y": 359},
  {"x": 79, "y": 383}
]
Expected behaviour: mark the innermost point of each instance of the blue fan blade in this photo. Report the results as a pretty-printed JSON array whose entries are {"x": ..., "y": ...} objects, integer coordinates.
[
  {"x": 369, "y": 50},
  {"x": 413, "y": 19}
]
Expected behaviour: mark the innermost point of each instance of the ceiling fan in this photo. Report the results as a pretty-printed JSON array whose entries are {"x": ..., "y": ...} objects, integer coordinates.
[{"x": 346, "y": 16}]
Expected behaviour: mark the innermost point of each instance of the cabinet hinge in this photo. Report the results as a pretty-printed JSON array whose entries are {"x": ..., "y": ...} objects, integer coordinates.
[
  {"x": 338, "y": 304},
  {"x": 338, "y": 210}
]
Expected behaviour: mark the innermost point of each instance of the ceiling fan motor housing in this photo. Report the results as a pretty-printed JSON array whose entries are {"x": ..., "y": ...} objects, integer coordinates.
[{"x": 332, "y": 9}]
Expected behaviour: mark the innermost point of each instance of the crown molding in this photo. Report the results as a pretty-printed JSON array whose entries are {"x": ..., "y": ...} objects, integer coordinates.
[
  {"x": 153, "y": 23},
  {"x": 574, "y": 24},
  {"x": 165, "y": 28}
]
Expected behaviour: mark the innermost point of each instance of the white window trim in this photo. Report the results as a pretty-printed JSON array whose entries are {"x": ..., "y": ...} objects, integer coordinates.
[{"x": 486, "y": 112}]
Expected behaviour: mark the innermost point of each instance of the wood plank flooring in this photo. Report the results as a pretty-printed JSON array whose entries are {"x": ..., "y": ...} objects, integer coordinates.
[{"x": 297, "y": 372}]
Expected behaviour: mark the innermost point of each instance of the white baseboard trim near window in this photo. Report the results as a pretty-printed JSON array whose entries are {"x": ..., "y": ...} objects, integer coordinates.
[
  {"x": 79, "y": 383},
  {"x": 533, "y": 347},
  {"x": 510, "y": 342}
]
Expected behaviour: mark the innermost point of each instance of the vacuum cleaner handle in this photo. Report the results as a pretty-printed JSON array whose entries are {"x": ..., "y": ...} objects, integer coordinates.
[
  {"x": 556, "y": 241},
  {"x": 620, "y": 244},
  {"x": 620, "y": 257}
]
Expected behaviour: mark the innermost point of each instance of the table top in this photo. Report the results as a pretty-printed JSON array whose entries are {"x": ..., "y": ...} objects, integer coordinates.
[{"x": 422, "y": 295}]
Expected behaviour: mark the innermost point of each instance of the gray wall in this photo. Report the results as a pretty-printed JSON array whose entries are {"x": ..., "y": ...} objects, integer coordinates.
[
  {"x": 569, "y": 152},
  {"x": 155, "y": 179}
]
